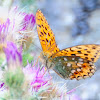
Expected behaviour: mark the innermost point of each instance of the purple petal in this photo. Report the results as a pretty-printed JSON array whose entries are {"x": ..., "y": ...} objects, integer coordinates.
[
  {"x": 4, "y": 30},
  {"x": 12, "y": 52},
  {"x": 28, "y": 22},
  {"x": 39, "y": 78},
  {"x": 1, "y": 85}
]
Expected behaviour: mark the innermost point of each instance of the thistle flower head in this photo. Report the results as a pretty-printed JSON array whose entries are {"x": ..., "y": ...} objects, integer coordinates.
[
  {"x": 37, "y": 77},
  {"x": 27, "y": 31},
  {"x": 17, "y": 27},
  {"x": 28, "y": 22},
  {"x": 55, "y": 92},
  {"x": 13, "y": 55},
  {"x": 42, "y": 84}
]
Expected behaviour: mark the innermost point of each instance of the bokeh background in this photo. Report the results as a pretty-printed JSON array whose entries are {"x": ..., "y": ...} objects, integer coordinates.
[{"x": 74, "y": 22}]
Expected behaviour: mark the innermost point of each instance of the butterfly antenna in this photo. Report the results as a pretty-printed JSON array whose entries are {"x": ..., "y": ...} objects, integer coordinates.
[{"x": 44, "y": 71}]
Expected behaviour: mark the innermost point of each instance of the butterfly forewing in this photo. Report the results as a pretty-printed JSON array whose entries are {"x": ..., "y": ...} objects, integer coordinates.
[
  {"x": 46, "y": 36},
  {"x": 88, "y": 52}
]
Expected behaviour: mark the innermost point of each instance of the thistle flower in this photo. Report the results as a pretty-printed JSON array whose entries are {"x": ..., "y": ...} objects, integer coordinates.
[
  {"x": 28, "y": 22},
  {"x": 13, "y": 77},
  {"x": 13, "y": 55},
  {"x": 17, "y": 27},
  {"x": 42, "y": 84},
  {"x": 37, "y": 77},
  {"x": 27, "y": 30},
  {"x": 55, "y": 92},
  {"x": 14, "y": 61}
]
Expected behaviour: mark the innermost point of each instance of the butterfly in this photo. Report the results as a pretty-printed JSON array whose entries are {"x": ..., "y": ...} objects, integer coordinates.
[{"x": 71, "y": 63}]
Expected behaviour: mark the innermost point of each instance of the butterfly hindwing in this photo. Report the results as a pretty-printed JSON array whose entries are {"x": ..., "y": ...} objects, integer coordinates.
[
  {"x": 71, "y": 67},
  {"x": 46, "y": 36},
  {"x": 78, "y": 61}
]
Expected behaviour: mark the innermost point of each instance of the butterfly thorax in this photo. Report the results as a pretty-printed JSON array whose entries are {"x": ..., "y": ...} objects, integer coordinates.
[{"x": 46, "y": 60}]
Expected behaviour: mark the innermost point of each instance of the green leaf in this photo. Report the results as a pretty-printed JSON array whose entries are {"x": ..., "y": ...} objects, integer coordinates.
[{"x": 26, "y": 57}]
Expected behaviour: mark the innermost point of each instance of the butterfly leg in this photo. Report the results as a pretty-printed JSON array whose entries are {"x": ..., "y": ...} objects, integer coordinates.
[{"x": 36, "y": 61}]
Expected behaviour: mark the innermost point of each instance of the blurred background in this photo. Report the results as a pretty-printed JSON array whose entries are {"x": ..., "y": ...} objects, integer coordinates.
[{"x": 74, "y": 22}]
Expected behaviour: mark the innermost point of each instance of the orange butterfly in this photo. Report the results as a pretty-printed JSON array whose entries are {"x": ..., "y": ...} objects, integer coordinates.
[{"x": 71, "y": 63}]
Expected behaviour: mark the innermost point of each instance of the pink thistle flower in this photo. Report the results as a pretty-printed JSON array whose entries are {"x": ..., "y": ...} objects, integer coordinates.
[
  {"x": 28, "y": 22},
  {"x": 13, "y": 55},
  {"x": 17, "y": 27},
  {"x": 1, "y": 85},
  {"x": 38, "y": 78},
  {"x": 4, "y": 30}
]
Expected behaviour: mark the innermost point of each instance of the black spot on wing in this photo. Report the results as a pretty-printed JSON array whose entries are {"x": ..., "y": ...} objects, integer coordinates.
[
  {"x": 42, "y": 33},
  {"x": 45, "y": 28},
  {"x": 92, "y": 59},
  {"x": 86, "y": 54},
  {"x": 86, "y": 58},
  {"x": 88, "y": 51},
  {"x": 73, "y": 54},
  {"x": 79, "y": 52},
  {"x": 47, "y": 40}
]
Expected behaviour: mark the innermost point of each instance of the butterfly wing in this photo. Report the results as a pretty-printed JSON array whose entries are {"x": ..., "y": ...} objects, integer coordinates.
[
  {"x": 76, "y": 62},
  {"x": 88, "y": 52},
  {"x": 46, "y": 36},
  {"x": 69, "y": 67}
]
